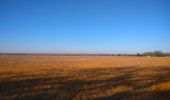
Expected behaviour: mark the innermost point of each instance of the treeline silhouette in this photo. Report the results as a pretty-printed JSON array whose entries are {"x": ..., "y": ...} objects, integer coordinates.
[
  {"x": 148, "y": 54},
  {"x": 156, "y": 53}
]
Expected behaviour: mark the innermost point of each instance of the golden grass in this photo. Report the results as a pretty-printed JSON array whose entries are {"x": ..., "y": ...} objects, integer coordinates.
[{"x": 84, "y": 77}]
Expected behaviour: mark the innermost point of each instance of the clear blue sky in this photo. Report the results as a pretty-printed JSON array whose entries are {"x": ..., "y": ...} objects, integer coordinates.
[{"x": 84, "y": 26}]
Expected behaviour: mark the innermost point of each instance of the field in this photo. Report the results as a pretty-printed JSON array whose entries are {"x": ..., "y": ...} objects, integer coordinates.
[{"x": 84, "y": 77}]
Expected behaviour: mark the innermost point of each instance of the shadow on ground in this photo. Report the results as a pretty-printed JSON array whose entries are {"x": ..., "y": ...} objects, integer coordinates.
[{"x": 127, "y": 83}]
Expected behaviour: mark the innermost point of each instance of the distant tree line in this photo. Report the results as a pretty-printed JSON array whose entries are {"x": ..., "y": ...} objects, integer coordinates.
[
  {"x": 156, "y": 54},
  {"x": 148, "y": 54}
]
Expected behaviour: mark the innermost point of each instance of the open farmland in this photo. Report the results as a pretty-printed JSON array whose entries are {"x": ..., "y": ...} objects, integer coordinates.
[{"x": 84, "y": 77}]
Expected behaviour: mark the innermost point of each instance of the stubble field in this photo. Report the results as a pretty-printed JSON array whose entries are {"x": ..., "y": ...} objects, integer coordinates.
[{"x": 84, "y": 77}]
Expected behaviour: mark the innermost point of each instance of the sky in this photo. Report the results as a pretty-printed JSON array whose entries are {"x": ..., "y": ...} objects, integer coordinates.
[{"x": 84, "y": 26}]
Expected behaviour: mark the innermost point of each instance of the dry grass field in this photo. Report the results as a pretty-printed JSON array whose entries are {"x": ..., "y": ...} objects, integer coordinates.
[{"x": 84, "y": 77}]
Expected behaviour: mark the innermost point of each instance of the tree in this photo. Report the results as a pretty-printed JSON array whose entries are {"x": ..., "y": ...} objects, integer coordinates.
[
  {"x": 138, "y": 54},
  {"x": 158, "y": 53}
]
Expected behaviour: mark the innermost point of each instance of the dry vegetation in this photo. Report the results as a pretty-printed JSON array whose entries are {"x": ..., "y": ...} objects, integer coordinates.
[{"x": 84, "y": 77}]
